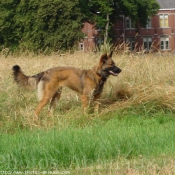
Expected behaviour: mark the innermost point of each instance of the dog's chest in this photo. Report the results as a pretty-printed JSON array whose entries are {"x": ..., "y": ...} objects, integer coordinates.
[{"x": 99, "y": 87}]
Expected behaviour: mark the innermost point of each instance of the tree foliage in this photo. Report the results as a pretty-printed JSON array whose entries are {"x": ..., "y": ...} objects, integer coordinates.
[
  {"x": 40, "y": 25},
  {"x": 138, "y": 10},
  {"x": 56, "y": 25}
]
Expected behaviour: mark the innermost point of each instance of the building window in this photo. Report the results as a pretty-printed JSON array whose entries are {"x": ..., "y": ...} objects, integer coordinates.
[
  {"x": 131, "y": 42},
  {"x": 163, "y": 20},
  {"x": 148, "y": 23},
  {"x": 147, "y": 42},
  {"x": 81, "y": 46},
  {"x": 164, "y": 43},
  {"x": 129, "y": 23}
]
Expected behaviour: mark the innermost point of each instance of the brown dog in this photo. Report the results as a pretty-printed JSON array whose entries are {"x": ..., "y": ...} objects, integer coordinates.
[{"x": 87, "y": 82}]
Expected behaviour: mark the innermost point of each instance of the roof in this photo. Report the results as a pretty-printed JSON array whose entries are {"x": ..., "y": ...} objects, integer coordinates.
[{"x": 166, "y": 4}]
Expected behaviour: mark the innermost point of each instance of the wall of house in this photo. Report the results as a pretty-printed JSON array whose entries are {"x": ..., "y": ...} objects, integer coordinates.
[
  {"x": 90, "y": 35},
  {"x": 168, "y": 31},
  {"x": 121, "y": 33}
]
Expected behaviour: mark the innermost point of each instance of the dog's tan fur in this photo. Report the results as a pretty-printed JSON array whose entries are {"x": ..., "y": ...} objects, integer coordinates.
[{"x": 87, "y": 82}]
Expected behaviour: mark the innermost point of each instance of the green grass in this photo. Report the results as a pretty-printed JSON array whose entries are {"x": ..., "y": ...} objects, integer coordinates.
[{"x": 129, "y": 136}]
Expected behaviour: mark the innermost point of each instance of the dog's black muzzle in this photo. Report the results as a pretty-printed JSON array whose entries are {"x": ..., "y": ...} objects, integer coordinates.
[{"x": 113, "y": 70}]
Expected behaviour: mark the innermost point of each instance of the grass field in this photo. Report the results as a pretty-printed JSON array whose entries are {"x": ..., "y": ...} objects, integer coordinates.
[{"x": 133, "y": 133}]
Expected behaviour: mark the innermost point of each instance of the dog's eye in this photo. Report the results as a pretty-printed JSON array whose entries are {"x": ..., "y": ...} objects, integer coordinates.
[{"x": 111, "y": 64}]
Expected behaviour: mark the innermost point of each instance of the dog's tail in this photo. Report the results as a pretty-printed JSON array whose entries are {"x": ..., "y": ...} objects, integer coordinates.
[{"x": 26, "y": 82}]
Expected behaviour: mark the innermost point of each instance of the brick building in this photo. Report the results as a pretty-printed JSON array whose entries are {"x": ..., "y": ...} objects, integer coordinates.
[{"x": 159, "y": 33}]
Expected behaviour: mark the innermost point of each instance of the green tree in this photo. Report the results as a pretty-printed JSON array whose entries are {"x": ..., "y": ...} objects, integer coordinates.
[
  {"x": 7, "y": 23},
  {"x": 59, "y": 24},
  {"x": 105, "y": 12},
  {"x": 102, "y": 10},
  {"x": 41, "y": 25},
  {"x": 139, "y": 10},
  {"x": 56, "y": 24}
]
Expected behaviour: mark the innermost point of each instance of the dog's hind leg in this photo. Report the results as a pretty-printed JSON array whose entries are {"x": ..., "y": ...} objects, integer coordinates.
[
  {"x": 42, "y": 103},
  {"x": 56, "y": 96},
  {"x": 46, "y": 97}
]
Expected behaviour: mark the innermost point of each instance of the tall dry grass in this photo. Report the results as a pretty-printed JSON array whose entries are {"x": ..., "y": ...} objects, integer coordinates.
[
  {"x": 147, "y": 82},
  {"x": 145, "y": 79}
]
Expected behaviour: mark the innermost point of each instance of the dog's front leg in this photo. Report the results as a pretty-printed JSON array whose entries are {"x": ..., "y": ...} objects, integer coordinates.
[
  {"x": 85, "y": 103},
  {"x": 96, "y": 102},
  {"x": 96, "y": 107}
]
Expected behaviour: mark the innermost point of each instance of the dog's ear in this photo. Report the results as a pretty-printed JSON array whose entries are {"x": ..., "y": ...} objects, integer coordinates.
[
  {"x": 102, "y": 61},
  {"x": 110, "y": 55},
  {"x": 103, "y": 58}
]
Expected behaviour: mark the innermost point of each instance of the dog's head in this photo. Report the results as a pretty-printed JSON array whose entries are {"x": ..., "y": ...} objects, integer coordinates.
[{"x": 107, "y": 66}]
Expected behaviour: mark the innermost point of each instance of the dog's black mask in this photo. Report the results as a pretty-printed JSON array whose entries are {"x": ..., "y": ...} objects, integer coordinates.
[{"x": 114, "y": 70}]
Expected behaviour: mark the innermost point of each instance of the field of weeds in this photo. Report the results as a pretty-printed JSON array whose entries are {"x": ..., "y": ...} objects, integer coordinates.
[
  {"x": 140, "y": 100},
  {"x": 147, "y": 80}
]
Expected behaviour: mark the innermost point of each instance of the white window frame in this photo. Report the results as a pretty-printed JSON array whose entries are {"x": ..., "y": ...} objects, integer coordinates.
[
  {"x": 163, "y": 20},
  {"x": 131, "y": 41},
  {"x": 147, "y": 42},
  {"x": 81, "y": 46},
  {"x": 129, "y": 24},
  {"x": 148, "y": 23},
  {"x": 164, "y": 43}
]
